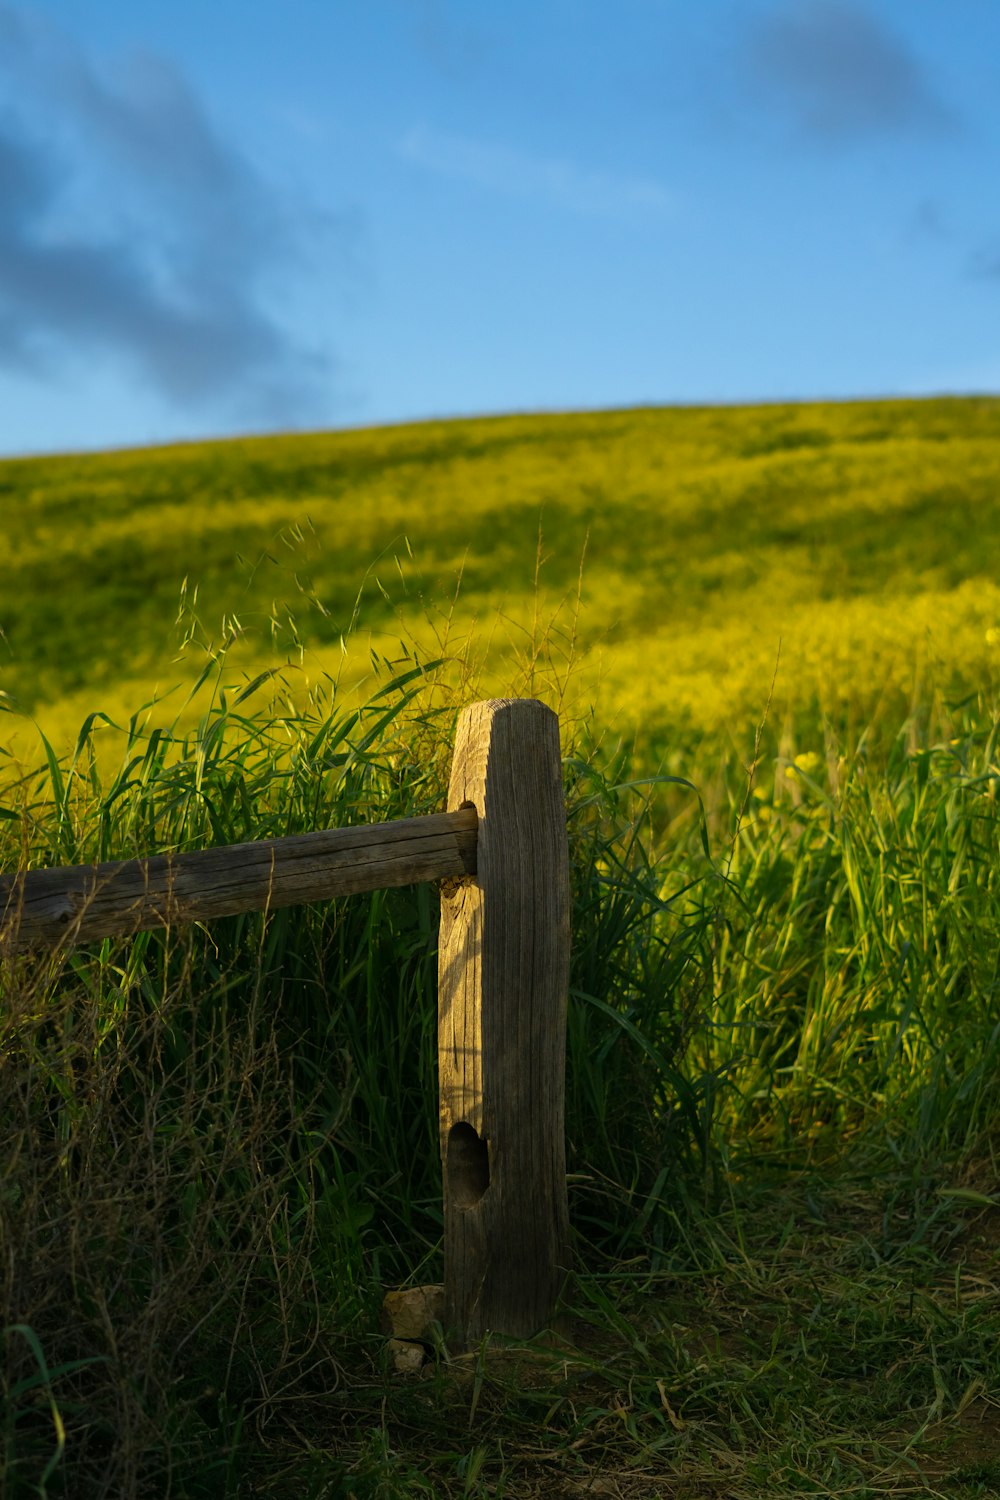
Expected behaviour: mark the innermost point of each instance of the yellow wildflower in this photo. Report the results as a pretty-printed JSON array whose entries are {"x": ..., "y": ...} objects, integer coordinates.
[{"x": 808, "y": 763}]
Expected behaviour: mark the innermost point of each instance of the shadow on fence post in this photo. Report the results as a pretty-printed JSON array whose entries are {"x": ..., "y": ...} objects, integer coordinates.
[{"x": 502, "y": 989}]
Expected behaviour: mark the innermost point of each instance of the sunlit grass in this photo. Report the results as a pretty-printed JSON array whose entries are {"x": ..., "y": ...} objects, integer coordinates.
[
  {"x": 784, "y": 1021},
  {"x": 861, "y": 535},
  {"x": 224, "y": 1142}
]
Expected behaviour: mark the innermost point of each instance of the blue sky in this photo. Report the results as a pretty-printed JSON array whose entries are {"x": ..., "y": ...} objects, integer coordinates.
[{"x": 233, "y": 217}]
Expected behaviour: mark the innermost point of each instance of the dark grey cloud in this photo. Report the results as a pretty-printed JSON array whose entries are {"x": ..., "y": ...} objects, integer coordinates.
[
  {"x": 929, "y": 221},
  {"x": 984, "y": 264},
  {"x": 459, "y": 44},
  {"x": 841, "y": 73},
  {"x": 131, "y": 229}
]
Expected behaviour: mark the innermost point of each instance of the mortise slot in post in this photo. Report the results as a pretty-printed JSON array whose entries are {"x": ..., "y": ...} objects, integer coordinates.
[{"x": 468, "y": 1165}]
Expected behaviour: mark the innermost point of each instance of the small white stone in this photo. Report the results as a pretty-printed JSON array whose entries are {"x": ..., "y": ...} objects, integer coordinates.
[{"x": 407, "y": 1358}]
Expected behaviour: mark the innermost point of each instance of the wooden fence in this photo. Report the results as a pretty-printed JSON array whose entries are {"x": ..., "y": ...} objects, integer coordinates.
[{"x": 500, "y": 852}]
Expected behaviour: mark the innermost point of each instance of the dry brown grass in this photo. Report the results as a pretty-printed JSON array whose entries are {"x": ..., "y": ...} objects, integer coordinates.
[{"x": 146, "y": 1228}]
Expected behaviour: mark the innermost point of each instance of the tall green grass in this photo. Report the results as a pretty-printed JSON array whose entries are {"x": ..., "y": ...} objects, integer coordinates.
[{"x": 222, "y": 1142}]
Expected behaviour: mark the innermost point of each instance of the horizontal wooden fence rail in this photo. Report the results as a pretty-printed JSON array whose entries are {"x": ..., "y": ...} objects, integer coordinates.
[
  {"x": 503, "y": 978},
  {"x": 87, "y": 902}
]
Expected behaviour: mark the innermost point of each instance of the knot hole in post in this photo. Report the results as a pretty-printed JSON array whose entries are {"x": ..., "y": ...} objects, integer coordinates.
[{"x": 468, "y": 1165}]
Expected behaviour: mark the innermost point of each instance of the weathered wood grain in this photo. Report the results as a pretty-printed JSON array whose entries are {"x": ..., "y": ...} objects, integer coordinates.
[
  {"x": 502, "y": 991},
  {"x": 79, "y": 903}
]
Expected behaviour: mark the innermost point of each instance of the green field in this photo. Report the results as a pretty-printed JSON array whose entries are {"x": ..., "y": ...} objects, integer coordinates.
[
  {"x": 783, "y": 1079},
  {"x": 662, "y": 554}
]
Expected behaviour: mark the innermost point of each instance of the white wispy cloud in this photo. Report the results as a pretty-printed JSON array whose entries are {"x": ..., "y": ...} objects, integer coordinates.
[{"x": 563, "y": 184}]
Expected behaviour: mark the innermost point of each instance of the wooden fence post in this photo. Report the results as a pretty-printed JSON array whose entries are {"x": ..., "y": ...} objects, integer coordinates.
[{"x": 502, "y": 989}]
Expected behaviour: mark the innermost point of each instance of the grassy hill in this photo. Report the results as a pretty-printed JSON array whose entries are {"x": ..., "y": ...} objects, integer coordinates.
[
  {"x": 783, "y": 1049},
  {"x": 660, "y": 554}
]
